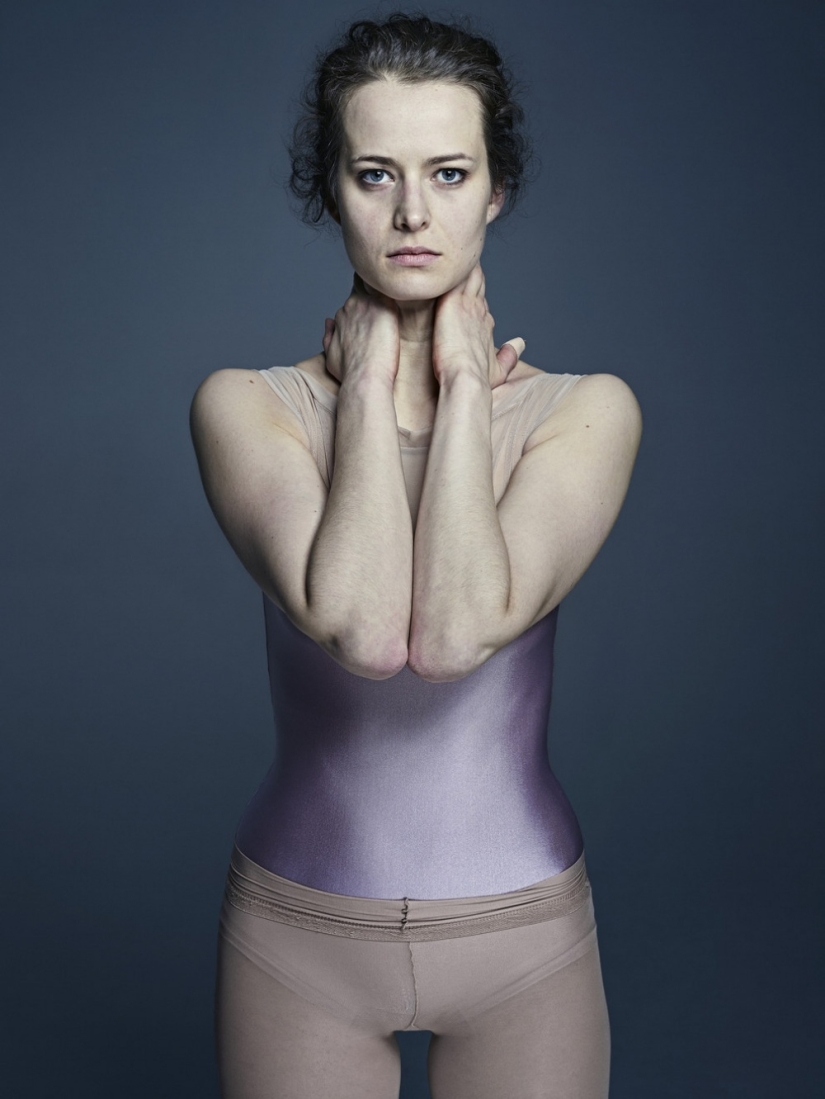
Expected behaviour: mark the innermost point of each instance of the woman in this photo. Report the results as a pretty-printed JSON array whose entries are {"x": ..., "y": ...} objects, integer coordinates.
[{"x": 414, "y": 505}]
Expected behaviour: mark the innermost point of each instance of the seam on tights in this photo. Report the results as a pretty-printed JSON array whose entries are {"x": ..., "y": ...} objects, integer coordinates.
[
  {"x": 404, "y": 911},
  {"x": 415, "y": 988}
]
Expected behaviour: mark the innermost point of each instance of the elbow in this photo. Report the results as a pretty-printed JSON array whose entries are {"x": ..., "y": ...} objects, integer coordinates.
[
  {"x": 361, "y": 644},
  {"x": 443, "y": 662},
  {"x": 370, "y": 657},
  {"x": 368, "y": 652}
]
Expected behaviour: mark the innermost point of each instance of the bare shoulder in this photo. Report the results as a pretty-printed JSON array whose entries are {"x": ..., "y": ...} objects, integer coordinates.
[
  {"x": 602, "y": 405},
  {"x": 230, "y": 397},
  {"x": 606, "y": 396},
  {"x": 224, "y": 385}
]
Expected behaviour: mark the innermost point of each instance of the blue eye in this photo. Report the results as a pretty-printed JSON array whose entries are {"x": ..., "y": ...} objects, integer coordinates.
[
  {"x": 458, "y": 175},
  {"x": 459, "y": 171}
]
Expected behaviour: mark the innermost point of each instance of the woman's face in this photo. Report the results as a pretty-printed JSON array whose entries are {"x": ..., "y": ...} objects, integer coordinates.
[{"x": 413, "y": 174}]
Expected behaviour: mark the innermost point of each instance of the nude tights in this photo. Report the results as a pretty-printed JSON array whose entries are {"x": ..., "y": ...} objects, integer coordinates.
[{"x": 550, "y": 1040}]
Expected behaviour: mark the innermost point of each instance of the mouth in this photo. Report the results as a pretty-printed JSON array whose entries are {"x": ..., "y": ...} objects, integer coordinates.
[{"x": 413, "y": 257}]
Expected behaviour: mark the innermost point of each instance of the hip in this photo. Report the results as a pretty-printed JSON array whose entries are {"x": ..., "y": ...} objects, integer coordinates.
[{"x": 254, "y": 889}]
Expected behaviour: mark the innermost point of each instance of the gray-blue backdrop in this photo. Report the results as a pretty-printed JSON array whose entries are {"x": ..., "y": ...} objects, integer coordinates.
[{"x": 675, "y": 238}]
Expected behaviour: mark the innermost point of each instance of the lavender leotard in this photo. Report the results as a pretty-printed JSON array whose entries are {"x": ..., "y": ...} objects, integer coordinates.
[{"x": 400, "y": 787}]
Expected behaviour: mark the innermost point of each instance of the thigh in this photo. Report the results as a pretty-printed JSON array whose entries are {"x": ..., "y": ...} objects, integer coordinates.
[
  {"x": 549, "y": 1041},
  {"x": 272, "y": 1043}
]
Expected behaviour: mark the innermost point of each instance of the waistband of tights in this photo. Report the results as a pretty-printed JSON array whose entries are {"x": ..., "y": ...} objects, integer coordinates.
[{"x": 251, "y": 888}]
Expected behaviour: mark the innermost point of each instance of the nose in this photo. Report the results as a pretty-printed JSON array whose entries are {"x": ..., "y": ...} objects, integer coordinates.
[{"x": 411, "y": 213}]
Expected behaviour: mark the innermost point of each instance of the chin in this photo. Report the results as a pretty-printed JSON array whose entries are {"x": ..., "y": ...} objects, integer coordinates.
[{"x": 411, "y": 284}]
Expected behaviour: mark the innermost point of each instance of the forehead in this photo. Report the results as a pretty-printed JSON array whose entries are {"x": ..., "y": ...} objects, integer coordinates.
[{"x": 386, "y": 115}]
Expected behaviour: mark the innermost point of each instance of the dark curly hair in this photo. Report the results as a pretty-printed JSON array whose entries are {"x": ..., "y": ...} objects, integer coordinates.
[{"x": 409, "y": 48}]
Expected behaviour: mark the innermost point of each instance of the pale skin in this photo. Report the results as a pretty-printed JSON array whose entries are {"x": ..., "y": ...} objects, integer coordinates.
[{"x": 413, "y": 346}]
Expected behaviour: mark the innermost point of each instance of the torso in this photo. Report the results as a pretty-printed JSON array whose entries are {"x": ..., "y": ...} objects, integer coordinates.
[{"x": 403, "y": 787}]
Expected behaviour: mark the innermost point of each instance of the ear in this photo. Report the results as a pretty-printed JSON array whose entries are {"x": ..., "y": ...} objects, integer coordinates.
[{"x": 495, "y": 204}]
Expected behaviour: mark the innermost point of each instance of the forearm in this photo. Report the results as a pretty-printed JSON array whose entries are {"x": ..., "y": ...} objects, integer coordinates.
[
  {"x": 461, "y": 569},
  {"x": 359, "y": 571}
]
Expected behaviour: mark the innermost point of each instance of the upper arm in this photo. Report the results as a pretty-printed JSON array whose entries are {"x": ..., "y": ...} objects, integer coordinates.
[
  {"x": 565, "y": 494},
  {"x": 261, "y": 482}
]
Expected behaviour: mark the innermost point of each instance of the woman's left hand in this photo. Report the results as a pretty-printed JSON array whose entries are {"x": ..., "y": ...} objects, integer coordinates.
[{"x": 463, "y": 335}]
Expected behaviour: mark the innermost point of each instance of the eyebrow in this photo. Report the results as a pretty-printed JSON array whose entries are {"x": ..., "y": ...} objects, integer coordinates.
[{"x": 432, "y": 161}]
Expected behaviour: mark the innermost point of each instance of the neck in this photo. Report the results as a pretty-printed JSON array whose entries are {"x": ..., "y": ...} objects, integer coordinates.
[{"x": 416, "y": 388}]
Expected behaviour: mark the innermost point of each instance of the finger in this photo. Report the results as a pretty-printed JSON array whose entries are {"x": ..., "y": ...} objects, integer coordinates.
[
  {"x": 510, "y": 352},
  {"x": 475, "y": 280},
  {"x": 482, "y": 289},
  {"x": 468, "y": 285},
  {"x": 378, "y": 296},
  {"x": 507, "y": 357},
  {"x": 475, "y": 283},
  {"x": 362, "y": 287}
]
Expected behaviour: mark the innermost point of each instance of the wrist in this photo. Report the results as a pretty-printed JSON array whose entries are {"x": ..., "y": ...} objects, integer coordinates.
[
  {"x": 467, "y": 382},
  {"x": 366, "y": 379}
]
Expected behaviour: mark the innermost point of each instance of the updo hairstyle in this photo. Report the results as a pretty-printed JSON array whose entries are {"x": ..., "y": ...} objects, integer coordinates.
[{"x": 411, "y": 49}]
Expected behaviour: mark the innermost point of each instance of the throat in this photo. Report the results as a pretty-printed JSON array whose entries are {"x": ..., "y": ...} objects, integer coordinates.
[{"x": 416, "y": 396}]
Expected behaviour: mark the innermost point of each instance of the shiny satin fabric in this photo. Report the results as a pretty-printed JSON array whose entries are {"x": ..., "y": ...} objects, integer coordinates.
[
  {"x": 405, "y": 788},
  {"x": 400, "y": 787}
]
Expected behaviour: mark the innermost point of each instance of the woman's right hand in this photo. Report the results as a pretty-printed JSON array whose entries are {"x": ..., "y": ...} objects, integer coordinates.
[{"x": 363, "y": 337}]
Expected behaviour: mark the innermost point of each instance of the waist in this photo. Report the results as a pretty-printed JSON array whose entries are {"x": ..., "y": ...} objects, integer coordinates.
[
  {"x": 420, "y": 828},
  {"x": 254, "y": 889}
]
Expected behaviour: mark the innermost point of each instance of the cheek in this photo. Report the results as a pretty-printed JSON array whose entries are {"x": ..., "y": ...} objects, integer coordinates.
[
  {"x": 361, "y": 230},
  {"x": 469, "y": 232},
  {"x": 471, "y": 220}
]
